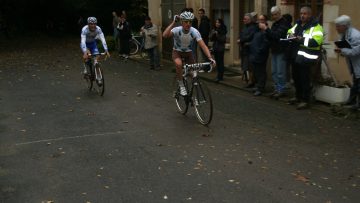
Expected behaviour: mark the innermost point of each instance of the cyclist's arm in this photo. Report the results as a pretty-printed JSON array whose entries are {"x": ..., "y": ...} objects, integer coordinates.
[
  {"x": 205, "y": 49},
  {"x": 167, "y": 33},
  {"x": 103, "y": 41},
  {"x": 83, "y": 43}
]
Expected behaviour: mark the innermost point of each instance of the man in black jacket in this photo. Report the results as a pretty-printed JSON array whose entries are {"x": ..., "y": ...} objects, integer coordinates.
[
  {"x": 278, "y": 49},
  {"x": 259, "y": 52},
  {"x": 204, "y": 27},
  {"x": 245, "y": 37}
]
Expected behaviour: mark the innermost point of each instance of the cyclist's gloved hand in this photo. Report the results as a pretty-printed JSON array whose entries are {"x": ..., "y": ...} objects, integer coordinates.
[
  {"x": 85, "y": 56},
  {"x": 213, "y": 62},
  {"x": 176, "y": 18},
  {"x": 107, "y": 54}
]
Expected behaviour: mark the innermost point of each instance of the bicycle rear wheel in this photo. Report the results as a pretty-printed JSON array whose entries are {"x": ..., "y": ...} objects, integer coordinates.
[
  {"x": 182, "y": 102},
  {"x": 202, "y": 103},
  {"x": 100, "y": 81},
  {"x": 144, "y": 54},
  {"x": 88, "y": 77},
  {"x": 134, "y": 47}
]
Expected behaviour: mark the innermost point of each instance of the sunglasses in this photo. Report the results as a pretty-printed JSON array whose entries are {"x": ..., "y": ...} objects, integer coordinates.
[{"x": 186, "y": 21}]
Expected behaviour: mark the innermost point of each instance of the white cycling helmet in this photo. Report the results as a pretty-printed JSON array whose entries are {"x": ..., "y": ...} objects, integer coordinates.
[
  {"x": 92, "y": 20},
  {"x": 186, "y": 15}
]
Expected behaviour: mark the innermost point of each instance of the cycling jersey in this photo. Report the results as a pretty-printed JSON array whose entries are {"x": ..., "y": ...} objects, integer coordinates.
[
  {"x": 183, "y": 41},
  {"x": 88, "y": 39}
]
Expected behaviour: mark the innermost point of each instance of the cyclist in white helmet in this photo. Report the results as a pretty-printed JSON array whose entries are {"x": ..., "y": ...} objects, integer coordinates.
[
  {"x": 184, "y": 36},
  {"x": 89, "y": 34}
]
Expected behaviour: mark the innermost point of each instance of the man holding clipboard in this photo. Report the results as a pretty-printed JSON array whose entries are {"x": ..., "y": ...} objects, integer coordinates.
[{"x": 349, "y": 46}]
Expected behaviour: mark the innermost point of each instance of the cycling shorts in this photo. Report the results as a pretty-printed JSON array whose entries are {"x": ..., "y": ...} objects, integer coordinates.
[
  {"x": 92, "y": 47},
  {"x": 187, "y": 56}
]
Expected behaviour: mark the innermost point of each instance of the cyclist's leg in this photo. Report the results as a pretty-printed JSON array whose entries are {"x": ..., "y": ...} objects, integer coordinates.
[
  {"x": 189, "y": 58},
  {"x": 176, "y": 56}
]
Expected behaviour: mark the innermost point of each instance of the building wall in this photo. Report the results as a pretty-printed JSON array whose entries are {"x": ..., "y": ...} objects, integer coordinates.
[{"x": 332, "y": 9}]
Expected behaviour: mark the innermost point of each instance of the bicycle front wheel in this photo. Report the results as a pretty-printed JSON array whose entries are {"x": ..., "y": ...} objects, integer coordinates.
[
  {"x": 182, "y": 102},
  {"x": 88, "y": 77},
  {"x": 100, "y": 81},
  {"x": 134, "y": 47},
  {"x": 202, "y": 103}
]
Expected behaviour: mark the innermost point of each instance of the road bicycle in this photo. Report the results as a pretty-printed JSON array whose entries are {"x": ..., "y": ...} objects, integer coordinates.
[
  {"x": 137, "y": 44},
  {"x": 198, "y": 95},
  {"x": 93, "y": 74}
]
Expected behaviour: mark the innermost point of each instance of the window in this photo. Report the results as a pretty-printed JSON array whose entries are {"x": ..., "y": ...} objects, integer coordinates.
[{"x": 220, "y": 9}]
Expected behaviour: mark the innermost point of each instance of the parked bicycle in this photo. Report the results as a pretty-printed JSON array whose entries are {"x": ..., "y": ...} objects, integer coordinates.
[
  {"x": 93, "y": 73},
  {"x": 198, "y": 95},
  {"x": 137, "y": 44}
]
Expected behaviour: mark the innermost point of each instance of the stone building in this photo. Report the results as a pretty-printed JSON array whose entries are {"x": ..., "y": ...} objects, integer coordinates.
[{"x": 162, "y": 11}]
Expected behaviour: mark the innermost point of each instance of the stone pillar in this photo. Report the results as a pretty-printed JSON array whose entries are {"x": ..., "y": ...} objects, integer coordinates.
[
  {"x": 154, "y": 8},
  {"x": 234, "y": 33},
  {"x": 260, "y": 6}
]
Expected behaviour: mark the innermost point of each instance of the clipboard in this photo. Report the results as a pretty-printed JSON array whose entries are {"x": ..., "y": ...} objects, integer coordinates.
[{"x": 342, "y": 44}]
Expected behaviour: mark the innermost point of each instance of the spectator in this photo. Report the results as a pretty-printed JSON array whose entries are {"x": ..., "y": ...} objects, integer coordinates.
[
  {"x": 259, "y": 52},
  {"x": 115, "y": 23},
  {"x": 244, "y": 40},
  {"x": 150, "y": 33},
  {"x": 289, "y": 19},
  {"x": 124, "y": 36},
  {"x": 278, "y": 50},
  {"x": 308, "y": 36},
  {"x": 81, "y": 22},
  {"x": 352, "y": 36},
  {"x": 218, "y": 37},
  {"x": 204, "y": 28}
]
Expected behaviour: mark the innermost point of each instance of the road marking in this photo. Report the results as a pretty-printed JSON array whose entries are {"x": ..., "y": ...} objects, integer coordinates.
[
  {"x": 73, "y": 137},
  {"x": 94, "y": 135}
]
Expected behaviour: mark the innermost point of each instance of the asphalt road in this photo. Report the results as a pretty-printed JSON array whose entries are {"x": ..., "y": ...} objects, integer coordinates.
[{"x": 61, "y": 143}]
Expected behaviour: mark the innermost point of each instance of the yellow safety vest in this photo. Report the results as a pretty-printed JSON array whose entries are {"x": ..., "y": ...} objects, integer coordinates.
[{"x": 316, "y": 33}]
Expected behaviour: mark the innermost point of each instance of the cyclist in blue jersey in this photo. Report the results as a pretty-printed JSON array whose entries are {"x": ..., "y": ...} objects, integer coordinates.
[
  {"x": 89, "y": 34},
  {"x": 184, "y": 36}
]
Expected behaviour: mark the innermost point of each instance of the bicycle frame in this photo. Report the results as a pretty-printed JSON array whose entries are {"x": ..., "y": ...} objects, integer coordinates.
[
  {"x": 192, "y": 70},
  {"x": 198, "y": 95},
  {"x": 93, "y": 64},
  {"x": 139, "y": 45}
]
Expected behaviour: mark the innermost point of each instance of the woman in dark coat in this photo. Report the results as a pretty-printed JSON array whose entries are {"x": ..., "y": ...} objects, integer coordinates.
[{"x": 218, "y": 37}]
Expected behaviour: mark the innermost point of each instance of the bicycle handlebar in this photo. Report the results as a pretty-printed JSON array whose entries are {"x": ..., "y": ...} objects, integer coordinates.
[
  {"x": 197, "y": 67},
  {"x": 99, "y": 54}
]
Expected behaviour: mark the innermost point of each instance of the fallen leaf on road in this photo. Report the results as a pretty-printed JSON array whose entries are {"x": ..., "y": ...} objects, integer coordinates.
[
  {"x": 165, "y": 197},
  {"x": 301, "y": 178}
]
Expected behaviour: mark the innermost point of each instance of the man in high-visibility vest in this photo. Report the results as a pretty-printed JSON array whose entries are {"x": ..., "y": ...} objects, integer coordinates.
[{"x": 306, "y": 36}]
